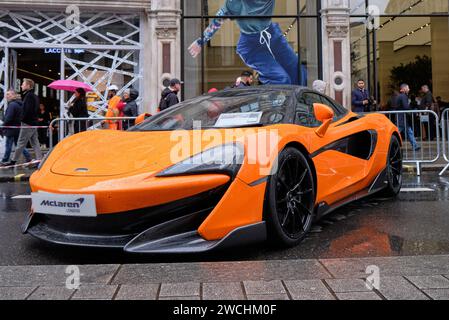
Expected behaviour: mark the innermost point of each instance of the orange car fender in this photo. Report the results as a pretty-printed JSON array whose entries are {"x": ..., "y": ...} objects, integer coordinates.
[
  {"x": 275, "y": 139},
  {"x": 241, "y": 205}
]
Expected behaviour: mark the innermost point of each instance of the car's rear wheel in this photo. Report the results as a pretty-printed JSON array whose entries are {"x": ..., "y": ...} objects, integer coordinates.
[
  {"x": 394, "y": 168},
  {"x": 290, "y": 199}
]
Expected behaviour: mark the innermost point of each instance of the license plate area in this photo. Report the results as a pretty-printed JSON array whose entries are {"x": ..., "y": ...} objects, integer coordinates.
[{"x": 69, "y": 205}]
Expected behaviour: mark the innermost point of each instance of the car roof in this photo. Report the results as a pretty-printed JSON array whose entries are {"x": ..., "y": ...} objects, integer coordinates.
[{"x": 268, "y": 87}]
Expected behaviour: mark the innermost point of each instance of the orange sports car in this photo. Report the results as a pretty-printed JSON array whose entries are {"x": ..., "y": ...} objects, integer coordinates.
[{"x": 220, "y": 170}]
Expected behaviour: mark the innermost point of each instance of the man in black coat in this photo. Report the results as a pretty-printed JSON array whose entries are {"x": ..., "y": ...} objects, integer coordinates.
[
  {"x": 12, "y": 118},
  {"x": 170, "y": 95},
  {"x": 29, "y": 119},
  {"x": 131, "y": 109},
  {"x": 428, "y": 103}
]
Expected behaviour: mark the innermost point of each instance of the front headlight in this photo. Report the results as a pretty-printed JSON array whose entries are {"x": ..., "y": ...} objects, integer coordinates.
[{"x": 226, "y": 158}]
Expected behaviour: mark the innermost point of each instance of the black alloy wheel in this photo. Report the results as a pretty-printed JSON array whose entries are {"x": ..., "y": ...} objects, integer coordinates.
[
  {"x": 290, "y": 200},
  {"x": 394, "y": 168}
]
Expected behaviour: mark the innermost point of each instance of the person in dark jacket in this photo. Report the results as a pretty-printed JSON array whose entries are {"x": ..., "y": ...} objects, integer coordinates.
[
  {"x": 428, "y": 103},
  {"x": 43, "y": 120},
  {"x": 246, "y": 79},
  {"x": 29, "y": 119},
  {"x": 169, "y": 96},
  {"x": 404, "y": 125},
  {"x": 360, "y": 98},
  {"x": 78, "y": 109},
  {"x": 13, "y": 116},
  {"x": 130, "y": 110}
]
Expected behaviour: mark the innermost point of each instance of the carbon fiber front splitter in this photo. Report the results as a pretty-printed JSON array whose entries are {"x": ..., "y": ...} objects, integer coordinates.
[{"x": 175, "y": 236}]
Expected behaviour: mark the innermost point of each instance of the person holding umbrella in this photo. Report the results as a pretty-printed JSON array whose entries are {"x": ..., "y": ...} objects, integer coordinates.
[{"x": 78, "y": 109}]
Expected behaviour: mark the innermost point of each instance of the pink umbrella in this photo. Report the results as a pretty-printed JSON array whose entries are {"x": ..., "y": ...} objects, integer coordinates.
[{"x": 70, "y": 85}]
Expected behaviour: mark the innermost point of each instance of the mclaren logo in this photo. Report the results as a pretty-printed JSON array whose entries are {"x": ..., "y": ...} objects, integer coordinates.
[{"x": 57, "y": 204}]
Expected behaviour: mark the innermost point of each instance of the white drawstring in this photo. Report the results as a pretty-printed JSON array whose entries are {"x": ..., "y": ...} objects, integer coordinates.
[{"x": 265, "y": 39}]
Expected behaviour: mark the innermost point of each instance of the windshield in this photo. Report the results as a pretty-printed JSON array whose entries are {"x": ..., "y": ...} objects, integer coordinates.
[{"x": 227, "y": 109}]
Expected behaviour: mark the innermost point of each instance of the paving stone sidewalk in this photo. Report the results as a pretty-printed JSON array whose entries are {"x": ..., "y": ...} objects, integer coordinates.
[{"x": 401, "y": 278}]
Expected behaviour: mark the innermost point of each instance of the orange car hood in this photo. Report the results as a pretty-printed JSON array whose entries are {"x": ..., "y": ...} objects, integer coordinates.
[{"x": 112, "y": 153}]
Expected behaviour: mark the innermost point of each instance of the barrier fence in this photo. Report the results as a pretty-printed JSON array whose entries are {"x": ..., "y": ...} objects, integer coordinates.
[
  {"x": 420, "y": 130},
  {"x": 425, "y": 138},
  {"x": 445, "y": 139}
]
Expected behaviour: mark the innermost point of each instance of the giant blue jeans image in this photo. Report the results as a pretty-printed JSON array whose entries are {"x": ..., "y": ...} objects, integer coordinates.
[
  {"x": 9, "y": 142},
  {"x": 269, "y": 53}
]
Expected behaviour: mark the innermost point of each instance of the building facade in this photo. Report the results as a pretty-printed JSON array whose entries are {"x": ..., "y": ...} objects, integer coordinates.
[
  {"x": 128, "y": 43},
  {"x": 142, "y": 43}
]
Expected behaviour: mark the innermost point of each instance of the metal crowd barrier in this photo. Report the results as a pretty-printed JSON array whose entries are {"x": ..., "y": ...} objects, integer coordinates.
[
  {"x": 24, "y": 127},
  {"x": 63, "y": 127},
  {"x": 418, "y": 128},
  {"x": 445, "y": 139}
]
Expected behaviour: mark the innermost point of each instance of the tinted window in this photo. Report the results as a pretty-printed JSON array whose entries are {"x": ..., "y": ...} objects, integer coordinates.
[
  {"x": 309, "y": 98},
  {"x": 339, "y": 110},
  {"x": 305, "y": 116}
]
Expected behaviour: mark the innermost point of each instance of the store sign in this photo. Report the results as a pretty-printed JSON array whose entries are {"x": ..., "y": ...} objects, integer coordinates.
[{"x": 67, "y": 50}]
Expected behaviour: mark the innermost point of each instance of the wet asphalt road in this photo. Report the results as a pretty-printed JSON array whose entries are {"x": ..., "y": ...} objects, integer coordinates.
[{"x": 417, "y": 223}]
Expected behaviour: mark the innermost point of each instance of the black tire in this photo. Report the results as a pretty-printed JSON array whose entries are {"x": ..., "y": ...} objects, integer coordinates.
[
  {"x": 290, "y": 199},
  {"x": 394, "y": 169}
]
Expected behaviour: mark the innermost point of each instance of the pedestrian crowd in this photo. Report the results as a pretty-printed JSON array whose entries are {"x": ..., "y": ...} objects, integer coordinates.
[
  {"x": 26, "y": 120},
  {"x": 411, "y": 125},
  {"x": 22, "y": 116}
]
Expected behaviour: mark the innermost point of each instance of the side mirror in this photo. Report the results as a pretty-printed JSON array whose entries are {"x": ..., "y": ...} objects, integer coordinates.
[
  {"x": 325, "y": 115},
  {"x": 141, "y": 118}
]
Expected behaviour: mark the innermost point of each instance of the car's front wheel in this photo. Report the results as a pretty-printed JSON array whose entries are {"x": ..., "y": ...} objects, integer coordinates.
[
  {"x": 394, "y": 168},
  {"x": 290, "y": 199}
]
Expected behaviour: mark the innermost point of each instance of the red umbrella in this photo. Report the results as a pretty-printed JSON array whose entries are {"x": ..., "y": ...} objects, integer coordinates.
[{"x": 70, "y": 85}]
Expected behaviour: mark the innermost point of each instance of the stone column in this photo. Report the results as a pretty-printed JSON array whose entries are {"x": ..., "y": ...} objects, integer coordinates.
[
  {"x": 386, "y": 63},
  {"x": 161, "y": 58},
  {"x": 440, "y": 56},
  {"x": 336, "y": 49}
]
